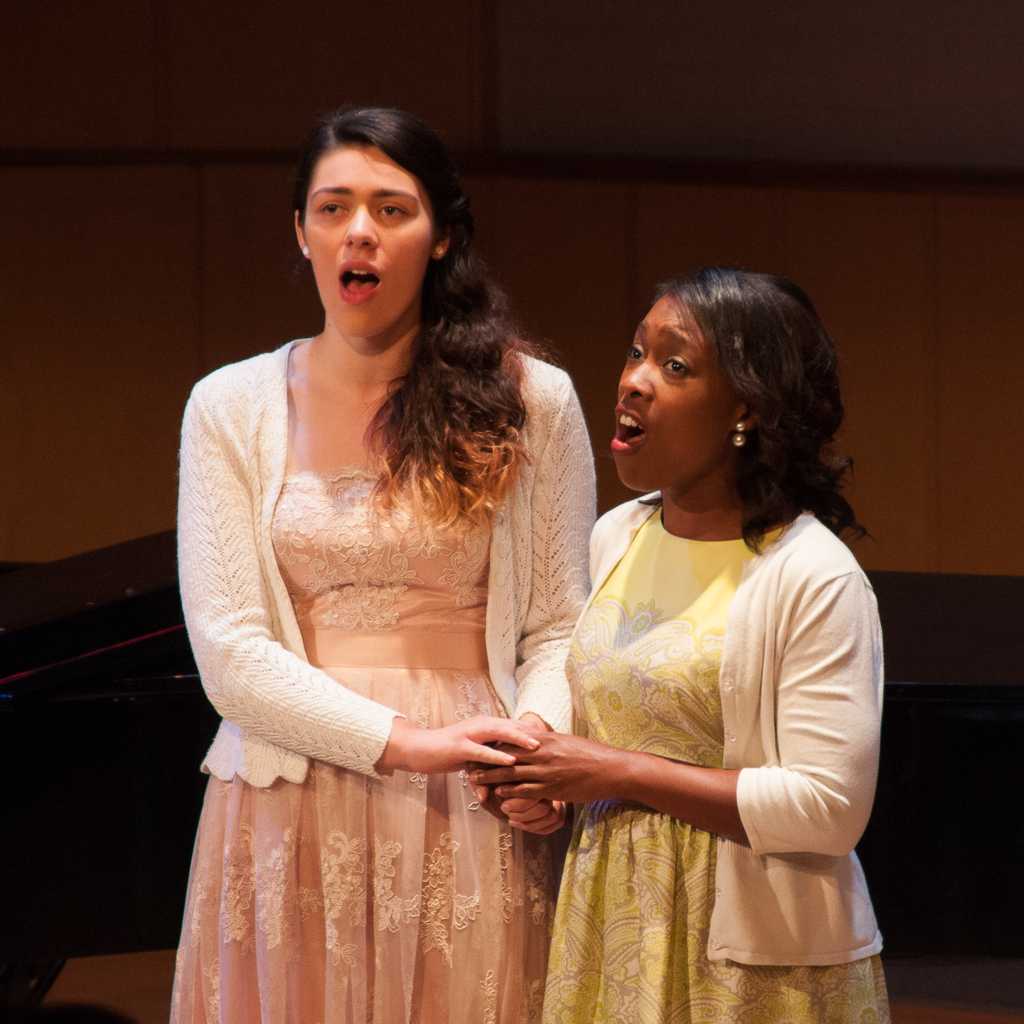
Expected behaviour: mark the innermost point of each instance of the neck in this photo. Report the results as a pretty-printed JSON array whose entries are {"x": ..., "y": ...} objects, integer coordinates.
[
  {"x": 703, "y": 517},
  {"x": 362, "y": 364}
]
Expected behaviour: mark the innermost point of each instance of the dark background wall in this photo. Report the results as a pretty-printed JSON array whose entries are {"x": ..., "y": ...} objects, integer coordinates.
[{"x": 871, "y": 151}]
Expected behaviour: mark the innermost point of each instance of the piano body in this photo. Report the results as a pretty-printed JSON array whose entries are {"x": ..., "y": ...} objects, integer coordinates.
[
  {"x": 102, "y": 728},
  {"x": 103, "y": 724}
]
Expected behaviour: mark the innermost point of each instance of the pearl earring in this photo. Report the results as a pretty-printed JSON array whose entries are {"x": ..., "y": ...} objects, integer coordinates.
[
  {"x": 305, "y": 250},
  {"x": 739, "y": 436}
]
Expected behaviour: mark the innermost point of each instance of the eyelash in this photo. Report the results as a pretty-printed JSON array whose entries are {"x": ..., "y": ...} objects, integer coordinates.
[
  {"x": 389, "y": 211},
  {"x": 679, "y": 366}
]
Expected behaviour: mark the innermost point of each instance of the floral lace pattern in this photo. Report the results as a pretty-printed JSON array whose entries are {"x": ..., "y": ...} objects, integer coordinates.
[
  {"x": 239, "y": 887},
  {"x": 349, "y": 568},
  {"x": 444, "y": 908},
  {"x": 347, "y": 898},
  {"x": 277, "y": 887},
  {"x": 343, "y": 868},
  {"x": 271, "y": 890},
  {"x": 391, "y": 910}
]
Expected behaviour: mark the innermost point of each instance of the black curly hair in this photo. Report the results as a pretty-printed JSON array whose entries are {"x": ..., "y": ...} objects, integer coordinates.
[{"x": 776, "y": 353}]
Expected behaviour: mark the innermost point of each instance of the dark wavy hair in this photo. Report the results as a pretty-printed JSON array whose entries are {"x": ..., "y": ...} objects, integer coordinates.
[
  {"x": 450, "y": 432},
  {"x": 776, "y": 353}
]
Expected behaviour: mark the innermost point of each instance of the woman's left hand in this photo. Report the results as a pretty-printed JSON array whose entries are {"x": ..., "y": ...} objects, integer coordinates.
[{"x": 563, "y": 767}]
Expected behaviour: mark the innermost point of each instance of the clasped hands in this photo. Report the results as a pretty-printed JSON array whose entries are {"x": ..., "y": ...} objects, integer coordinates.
[{"x": 533, "y": 793}]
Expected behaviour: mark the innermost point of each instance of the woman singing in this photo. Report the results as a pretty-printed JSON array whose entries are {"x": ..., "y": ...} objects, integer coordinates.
[
  {"x": 382, "y": 536},
  {"x": 727, "y": 689}
]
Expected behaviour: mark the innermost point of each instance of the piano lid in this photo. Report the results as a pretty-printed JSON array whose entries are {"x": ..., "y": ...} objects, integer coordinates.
[
  {"x": 63, "y": 620},
  {"x": 951, "y": 629},
  {"x": 114, "y": 611}
]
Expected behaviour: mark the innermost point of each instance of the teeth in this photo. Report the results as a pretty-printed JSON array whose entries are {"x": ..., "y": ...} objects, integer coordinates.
[
  {"x": 627, "y": 421},
  {"x": 359, "y": 275}
]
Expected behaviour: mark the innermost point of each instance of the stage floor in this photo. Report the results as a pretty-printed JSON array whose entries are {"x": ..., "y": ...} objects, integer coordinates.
[{"x": 924, "y": 990}]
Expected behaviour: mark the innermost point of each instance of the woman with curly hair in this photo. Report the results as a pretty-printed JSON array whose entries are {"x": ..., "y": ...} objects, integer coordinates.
[
  {"x": 727, "y": 688},
  {"x": 382, "y": 543}
]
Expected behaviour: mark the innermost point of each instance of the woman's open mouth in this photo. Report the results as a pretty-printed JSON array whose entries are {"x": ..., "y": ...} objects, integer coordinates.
[
  {"x": 629, "y": 434},
  {"x": 358, "y": 285}
]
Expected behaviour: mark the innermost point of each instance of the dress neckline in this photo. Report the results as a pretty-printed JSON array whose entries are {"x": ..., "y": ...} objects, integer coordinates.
[{"x": 332, "y": 476}]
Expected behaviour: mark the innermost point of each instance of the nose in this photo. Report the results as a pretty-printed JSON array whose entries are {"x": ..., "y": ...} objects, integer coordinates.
[
  {"x": 362, "y": 231},
  {"x": 635, "y": 381}
]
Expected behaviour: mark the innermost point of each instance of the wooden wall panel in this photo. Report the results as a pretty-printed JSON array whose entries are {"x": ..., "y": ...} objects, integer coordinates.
[
  {"x": 132, "y": 282},
  {"x": 14, "y": 425},
  {"x": 242, "y": 75},
  {"x": 562, "y": 250},
  {"x": 256, "y": 291},
  {"x": 100, "y": 321},
  {"x": 919, "y": 83},
  {"x": 865, "y": 260},
  {"x": 980, "y": 369},
  {"x": 78, "y": 75},
  {"x": 480, "y": 190},
  {"x": 682, "y": 227}
]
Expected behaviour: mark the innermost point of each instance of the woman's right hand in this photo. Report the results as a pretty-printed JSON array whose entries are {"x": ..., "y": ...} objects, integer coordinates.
[{"x": 451, "y": 747}]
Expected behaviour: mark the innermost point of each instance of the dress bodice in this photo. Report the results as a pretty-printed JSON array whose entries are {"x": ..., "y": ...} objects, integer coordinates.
[
  {"x": 354, "y": 571},
  {"x": 645, "y": 659}
]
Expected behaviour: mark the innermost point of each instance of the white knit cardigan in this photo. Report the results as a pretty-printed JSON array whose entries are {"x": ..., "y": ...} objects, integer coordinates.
[
  {"x": 801, "y": 689},
  {"x": 278, "y": 710}
]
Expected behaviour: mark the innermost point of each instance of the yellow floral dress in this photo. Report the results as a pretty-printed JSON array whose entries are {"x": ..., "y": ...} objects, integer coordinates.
[{"x": 631, "y": 927}]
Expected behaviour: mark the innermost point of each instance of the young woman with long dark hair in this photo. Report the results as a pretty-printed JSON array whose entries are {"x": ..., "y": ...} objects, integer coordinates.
[{"x": 382, "y": 536}]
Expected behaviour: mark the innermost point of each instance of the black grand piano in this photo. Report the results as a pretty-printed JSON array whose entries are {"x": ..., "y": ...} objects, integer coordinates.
[
  {"x": 103, "y": 724},
  {"x": 102, "y": 728}
]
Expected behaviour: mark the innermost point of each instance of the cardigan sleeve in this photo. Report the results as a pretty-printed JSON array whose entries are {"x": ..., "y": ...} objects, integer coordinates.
[
  {"x": 828, "y": 701},
  {"x": 564, "y": 499},
  {"x": 249, "y": 676}
]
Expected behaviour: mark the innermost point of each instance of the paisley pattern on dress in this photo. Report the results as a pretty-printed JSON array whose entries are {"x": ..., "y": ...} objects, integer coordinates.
[{"x": 631, "y": 926}]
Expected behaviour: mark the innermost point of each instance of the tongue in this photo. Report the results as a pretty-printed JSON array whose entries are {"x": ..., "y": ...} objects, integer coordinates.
[{"x": 361, "y": 285}]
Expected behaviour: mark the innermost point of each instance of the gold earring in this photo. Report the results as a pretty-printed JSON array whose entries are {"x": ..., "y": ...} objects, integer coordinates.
[{"x": 739, "y": 435}]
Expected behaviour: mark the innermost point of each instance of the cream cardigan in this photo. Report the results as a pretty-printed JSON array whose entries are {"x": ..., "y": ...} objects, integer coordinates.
[
  {"x": 801, "y": 688},
  {"x": 278, "y": 710}
]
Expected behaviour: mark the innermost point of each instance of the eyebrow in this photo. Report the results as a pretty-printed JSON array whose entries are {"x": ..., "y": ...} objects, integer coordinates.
[
  {"x": 382, "y": 193},
  {"x": 677, "y": 332}
]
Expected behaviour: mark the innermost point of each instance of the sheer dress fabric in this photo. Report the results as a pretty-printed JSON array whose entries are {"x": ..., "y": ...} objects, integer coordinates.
[{"x": 345, "y": 898}]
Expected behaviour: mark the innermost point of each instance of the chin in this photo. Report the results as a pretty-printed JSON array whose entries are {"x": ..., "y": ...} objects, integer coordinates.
[{"x": 633, "y": 476}]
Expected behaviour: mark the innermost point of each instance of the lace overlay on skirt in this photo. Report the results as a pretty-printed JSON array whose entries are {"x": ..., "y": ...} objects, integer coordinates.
[{"x": 347, "y": 899}]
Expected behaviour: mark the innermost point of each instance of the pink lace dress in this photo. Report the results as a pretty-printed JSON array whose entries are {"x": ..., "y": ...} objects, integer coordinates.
[{"x": 349, "y": 899}]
